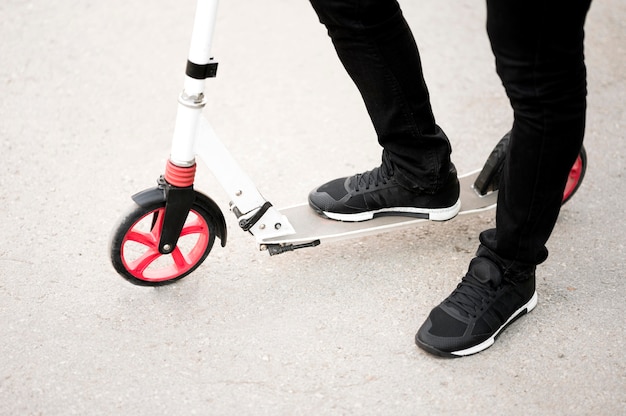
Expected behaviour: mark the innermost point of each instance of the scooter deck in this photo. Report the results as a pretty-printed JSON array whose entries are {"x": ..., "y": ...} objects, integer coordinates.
[{"x": 311, "y": 228}]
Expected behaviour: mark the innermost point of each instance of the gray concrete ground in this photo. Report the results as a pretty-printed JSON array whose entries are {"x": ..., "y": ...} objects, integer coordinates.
[{"x": 87, "y": 101}]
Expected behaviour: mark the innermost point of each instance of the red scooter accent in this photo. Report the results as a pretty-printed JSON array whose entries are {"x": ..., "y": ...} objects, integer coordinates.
[{"x": 181, "y": 177}]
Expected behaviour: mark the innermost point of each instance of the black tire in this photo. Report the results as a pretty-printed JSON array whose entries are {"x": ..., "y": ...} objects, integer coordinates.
[
  {"x": 488, "y": 179},
  {"x": 134, "y": 252}
]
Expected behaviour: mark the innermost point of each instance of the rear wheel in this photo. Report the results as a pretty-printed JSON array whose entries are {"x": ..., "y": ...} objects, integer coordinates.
[{"x": 489, "y": 178}]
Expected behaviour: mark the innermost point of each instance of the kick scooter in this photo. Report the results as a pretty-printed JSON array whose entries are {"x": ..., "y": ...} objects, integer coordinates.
[{"x": 171, "y": 228}]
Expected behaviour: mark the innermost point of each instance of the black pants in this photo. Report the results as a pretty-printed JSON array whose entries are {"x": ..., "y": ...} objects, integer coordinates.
[{"x": 538, "y": 46}]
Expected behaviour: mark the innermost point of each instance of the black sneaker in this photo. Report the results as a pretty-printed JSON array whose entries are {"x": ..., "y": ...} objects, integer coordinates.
[
  {"x": 376, "y": 193},
  {"x": 478, "y": 310}
]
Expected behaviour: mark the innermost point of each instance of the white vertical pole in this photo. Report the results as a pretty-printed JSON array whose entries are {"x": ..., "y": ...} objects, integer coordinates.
[
  {"x": 191, "y": 100},
  {"x": 201, "y": 41}
]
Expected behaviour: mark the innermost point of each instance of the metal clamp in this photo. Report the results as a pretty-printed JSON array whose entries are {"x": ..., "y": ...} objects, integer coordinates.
[
  {"x": 247, "y": 223},
  {"x": 205, "y": 71}
]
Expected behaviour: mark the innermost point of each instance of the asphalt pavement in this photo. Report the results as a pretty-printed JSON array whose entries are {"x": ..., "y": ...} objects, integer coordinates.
[{"x": 88, "y": 94}]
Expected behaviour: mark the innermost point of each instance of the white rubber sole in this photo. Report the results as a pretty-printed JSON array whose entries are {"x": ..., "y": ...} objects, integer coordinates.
[
  {"x": 529, "y": 306},
  {"x": 433, "y": 214}
]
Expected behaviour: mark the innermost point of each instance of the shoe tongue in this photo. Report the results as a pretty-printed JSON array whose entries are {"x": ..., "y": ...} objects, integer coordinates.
[{"x": 485, "y": 271}]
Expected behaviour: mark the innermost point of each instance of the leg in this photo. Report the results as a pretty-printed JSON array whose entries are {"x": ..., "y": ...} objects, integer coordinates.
[
  {"x": 539, "y": 57},
  {"x": 377, "y": 49},
  {"x": 542, "y": 69}
]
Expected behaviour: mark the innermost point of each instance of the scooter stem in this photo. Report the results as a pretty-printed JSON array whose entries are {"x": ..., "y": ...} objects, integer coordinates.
[{"x": 200, "y": 66}]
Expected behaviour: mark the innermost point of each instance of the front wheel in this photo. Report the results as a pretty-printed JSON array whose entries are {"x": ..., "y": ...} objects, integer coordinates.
[{"x": 134, "y": 245}]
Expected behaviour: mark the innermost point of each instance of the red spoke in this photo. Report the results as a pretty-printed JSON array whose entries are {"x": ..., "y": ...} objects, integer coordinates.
[
  {"x": 194, "y": 227},
  {"x": 141, "y": 264},
  {"x": 147, "y": 239},
  {"x": 179, "y": 259}
]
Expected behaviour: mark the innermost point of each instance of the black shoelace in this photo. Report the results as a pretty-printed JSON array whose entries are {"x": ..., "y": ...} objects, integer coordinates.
[
  {"x": 373, "y": 177},
  {"x": 472, "y": 296}
]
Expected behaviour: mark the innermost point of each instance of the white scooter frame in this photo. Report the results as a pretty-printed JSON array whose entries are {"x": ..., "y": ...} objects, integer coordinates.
[{"x": 194, "y": 136}]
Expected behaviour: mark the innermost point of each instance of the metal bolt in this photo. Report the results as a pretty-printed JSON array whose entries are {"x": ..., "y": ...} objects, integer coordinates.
[
  {"x": 262, "y": 227},
  {"x": 277, "y": 225},
  {"x": 167, "y": 247},
  {"x": 238, "y": 193}
]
